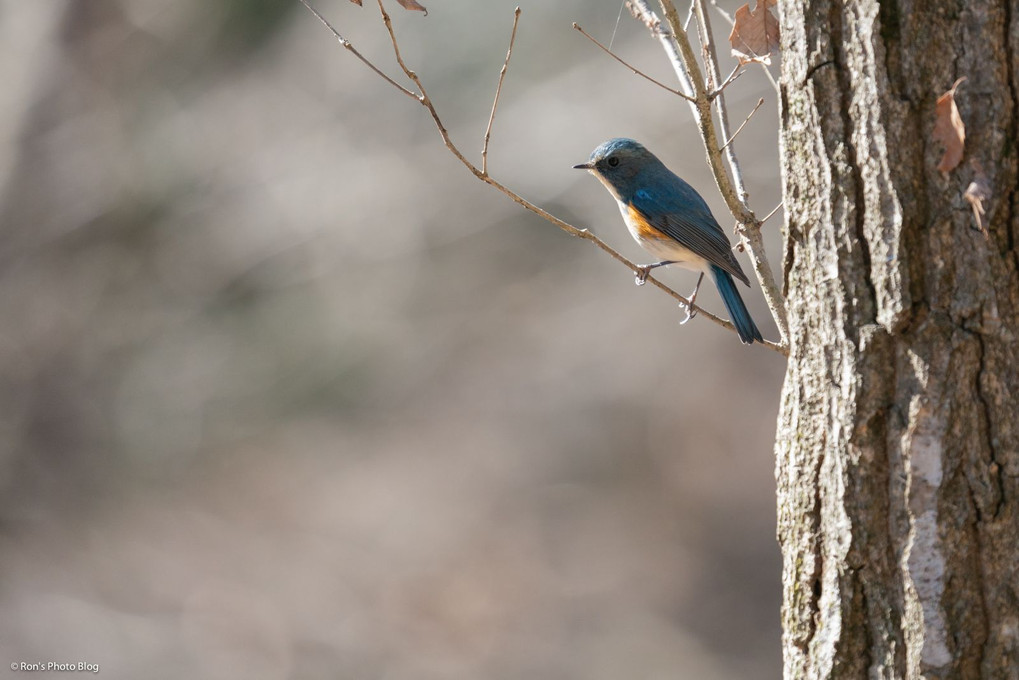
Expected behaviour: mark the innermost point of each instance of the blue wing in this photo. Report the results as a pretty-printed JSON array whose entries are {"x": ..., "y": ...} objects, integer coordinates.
[{"x": 679, "y": 212}]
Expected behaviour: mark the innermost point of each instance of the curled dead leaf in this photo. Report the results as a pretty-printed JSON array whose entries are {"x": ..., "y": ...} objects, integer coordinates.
[
  {"x": 413, "y": 4},
  {"x": 978, "y": 191},
  {"x": 949, "y": 129},
  {"x": 357, "y": 2},
  {"x": 755, "y": 34}
]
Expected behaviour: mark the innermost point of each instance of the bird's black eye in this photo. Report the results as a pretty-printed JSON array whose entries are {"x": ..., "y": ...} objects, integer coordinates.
[{"x": 613, "y": 162}]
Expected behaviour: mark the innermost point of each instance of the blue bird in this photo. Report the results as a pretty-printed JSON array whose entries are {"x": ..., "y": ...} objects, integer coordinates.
[{"x": 670, "y": 220}]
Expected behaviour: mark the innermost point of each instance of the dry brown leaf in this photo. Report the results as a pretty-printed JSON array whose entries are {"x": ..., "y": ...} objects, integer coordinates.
[
  {"x": 755, "y": 34},
  {"x": 978, "y": 191},
  {"x": 949, "y": 130},
  {"x": 413, "y": 4},
  {"x": 357, "y": 2}
]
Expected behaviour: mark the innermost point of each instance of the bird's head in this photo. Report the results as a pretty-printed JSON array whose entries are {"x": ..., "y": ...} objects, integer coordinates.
[{"x": 618, "y": 163}]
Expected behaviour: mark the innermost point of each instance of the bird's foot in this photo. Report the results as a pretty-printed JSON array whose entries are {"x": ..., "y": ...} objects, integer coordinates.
[
  {"x": 690, "y": 310},
  {"x": 644, "y": 269},
  {"x": 687, "y": 304}
]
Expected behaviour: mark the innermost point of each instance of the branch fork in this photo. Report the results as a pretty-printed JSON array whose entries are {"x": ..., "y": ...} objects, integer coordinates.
[{"x": 679, "y": 50}]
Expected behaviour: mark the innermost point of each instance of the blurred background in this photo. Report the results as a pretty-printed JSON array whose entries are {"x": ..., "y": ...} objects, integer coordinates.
[{"x": 287, "y": 393}]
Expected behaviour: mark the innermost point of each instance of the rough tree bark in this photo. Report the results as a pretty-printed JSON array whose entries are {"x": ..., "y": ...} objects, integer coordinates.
[{"x": 898, "y": 440}]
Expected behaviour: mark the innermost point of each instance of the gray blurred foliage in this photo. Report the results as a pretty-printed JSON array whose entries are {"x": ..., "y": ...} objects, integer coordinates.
[{"x": 288, "y": 394}]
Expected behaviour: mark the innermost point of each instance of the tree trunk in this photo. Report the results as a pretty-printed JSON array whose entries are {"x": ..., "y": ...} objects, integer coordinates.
[{"x": 898, "y": 440}]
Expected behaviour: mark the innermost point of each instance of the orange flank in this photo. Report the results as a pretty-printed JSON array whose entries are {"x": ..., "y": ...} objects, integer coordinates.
[{"x": 643, "y": 230}]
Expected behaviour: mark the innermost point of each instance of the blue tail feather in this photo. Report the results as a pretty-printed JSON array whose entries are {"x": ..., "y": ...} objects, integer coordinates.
[{"x": 738, "y": 312}]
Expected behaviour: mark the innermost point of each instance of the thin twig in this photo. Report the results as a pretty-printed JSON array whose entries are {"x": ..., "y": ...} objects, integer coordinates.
[
  {"x": 771, "y": 79},
  {"x": 736, "y": 73},
  {"x": 668, "y": 42},
  {"x": 689, "y": 16},
  {"x": 684, "y": 62},
  {"x": 743, "y": 124},
  {"x": 346, "y": 44},
  {"x": 632, "y": 68},
  {"x": 725, "y": 15},
  {"x": 498, "y": 91},
  {"x": 714, "y": 80},
  {"x": 619, "y": 18},
  {"x": 772, "y": 213},
  {"x": 396, "y": 50},
  {"x": 426, "y": 102}
]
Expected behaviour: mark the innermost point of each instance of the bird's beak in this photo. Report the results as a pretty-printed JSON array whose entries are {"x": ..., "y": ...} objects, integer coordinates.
[{"x": 583, "y": 166}]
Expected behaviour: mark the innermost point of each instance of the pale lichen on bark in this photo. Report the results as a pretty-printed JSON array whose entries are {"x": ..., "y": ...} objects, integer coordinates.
[{"x": 923, "y": 561}]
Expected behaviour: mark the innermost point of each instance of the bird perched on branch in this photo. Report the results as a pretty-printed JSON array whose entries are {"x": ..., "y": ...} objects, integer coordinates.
[{"x": 670, "y": 220}]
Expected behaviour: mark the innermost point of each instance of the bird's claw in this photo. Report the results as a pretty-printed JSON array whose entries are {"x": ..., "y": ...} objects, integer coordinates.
[
  {"x": 640, "y": 275},
  {"x": 690, "y": 310}
]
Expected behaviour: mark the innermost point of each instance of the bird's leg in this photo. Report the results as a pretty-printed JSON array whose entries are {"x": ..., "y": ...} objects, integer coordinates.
[
  {"x": 688, "y": 305},
  {"x": 645, "y": 269}
]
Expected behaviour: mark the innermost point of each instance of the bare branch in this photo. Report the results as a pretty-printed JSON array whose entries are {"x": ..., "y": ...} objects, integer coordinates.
[
  {"x": 743, "y": 124},
  {"x": 498, "y": 91},
  {"x": 677, "y": 47},
  {"x": 751, "y": 227},
  {"x": 346, "y": 44},
  {"x": 641, "y": 11},
  {"x": 714, "y": 78},
  {"x": 396, "y": 49},
  {"x": 632, "y": 68},
  {"x": 684, "y": 61},
  {"x": 426, "y": 102}
]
